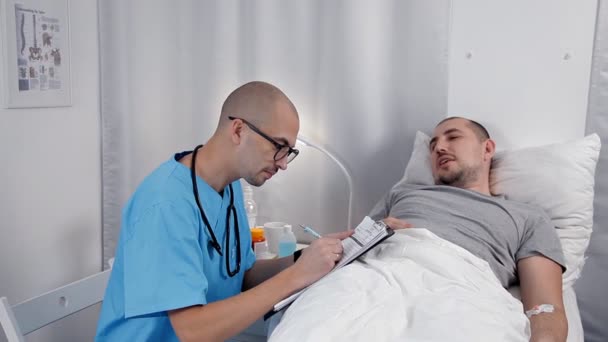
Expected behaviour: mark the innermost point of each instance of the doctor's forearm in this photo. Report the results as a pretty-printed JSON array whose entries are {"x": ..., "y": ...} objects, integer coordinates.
[
  {"x": 263, "y": 270},
  {"x": 223, "y": 319}
]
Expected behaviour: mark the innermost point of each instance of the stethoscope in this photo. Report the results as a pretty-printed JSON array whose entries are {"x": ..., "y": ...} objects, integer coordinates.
[{"x": 231, "y": 209}]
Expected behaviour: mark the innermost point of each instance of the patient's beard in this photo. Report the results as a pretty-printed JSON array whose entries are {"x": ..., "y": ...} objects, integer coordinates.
[{"x": 460, "y": 178}]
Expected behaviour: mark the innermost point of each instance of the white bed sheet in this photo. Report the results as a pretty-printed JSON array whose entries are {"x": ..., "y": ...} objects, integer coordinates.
[{"x": 414, "y": 286}]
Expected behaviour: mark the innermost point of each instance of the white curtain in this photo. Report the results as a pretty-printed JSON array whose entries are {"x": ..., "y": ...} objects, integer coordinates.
[
  {"x": 591, "y": 287},
  {"x": 364, "y": 75}
]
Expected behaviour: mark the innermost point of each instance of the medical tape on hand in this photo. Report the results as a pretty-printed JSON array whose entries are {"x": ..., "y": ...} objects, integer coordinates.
[{"x": 538, "y": 309}]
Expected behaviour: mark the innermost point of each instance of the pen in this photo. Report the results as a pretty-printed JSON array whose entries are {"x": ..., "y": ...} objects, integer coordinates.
[{"x": 311, "y": 231}]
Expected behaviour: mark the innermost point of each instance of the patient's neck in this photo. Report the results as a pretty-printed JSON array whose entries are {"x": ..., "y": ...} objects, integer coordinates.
[
  {"x": 481, "y": 189},
  {"x": 481, "y": 185}
]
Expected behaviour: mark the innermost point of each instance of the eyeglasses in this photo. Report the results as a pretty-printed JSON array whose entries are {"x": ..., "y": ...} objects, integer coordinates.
[{"x": 282, "y": 149}]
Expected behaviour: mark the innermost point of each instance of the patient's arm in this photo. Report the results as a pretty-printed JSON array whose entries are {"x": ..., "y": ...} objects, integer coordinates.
[
  {"x": 396, "y": 223},
  {"x": 541, "y": 283}
]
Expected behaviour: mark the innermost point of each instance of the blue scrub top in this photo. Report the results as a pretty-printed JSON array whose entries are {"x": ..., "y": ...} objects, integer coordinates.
[{"x": 164, "y": 260}]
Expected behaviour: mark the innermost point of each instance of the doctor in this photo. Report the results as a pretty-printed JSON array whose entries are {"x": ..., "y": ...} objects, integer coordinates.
[{"x": 184, "y": 252}]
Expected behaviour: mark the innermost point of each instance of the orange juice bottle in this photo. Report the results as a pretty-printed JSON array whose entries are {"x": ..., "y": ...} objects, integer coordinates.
[{"x": 257, "y": 235}]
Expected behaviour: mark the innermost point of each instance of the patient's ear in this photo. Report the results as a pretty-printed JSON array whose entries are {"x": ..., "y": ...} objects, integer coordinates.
[{"x": 489, "y": 149}]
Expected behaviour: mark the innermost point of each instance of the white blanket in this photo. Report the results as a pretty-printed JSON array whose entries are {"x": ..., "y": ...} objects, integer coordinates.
[{"x": 413, "y": 287}]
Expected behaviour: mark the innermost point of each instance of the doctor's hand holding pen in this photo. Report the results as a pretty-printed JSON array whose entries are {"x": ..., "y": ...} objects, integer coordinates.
[{"x": 320, "y": 257}]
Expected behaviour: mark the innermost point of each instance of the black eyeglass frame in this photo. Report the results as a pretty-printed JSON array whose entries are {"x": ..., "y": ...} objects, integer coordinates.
[{"x": 278, "y": 146}]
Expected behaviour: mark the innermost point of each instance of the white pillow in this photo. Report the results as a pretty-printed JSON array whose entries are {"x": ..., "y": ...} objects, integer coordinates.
[{"x": 559, "y": 178}]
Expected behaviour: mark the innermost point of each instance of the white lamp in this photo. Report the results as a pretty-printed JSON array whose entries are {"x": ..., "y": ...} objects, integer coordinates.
[{"x": 306, "y": 142}]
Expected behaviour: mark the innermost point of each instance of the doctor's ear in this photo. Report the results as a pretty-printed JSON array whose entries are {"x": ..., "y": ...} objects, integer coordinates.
[{"x": 236, "y": 131}]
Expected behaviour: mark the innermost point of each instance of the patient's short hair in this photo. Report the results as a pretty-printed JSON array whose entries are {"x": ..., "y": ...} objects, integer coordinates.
[{"x": 480, "y": 131}]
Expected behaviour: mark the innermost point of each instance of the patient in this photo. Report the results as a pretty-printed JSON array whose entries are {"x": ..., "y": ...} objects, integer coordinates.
[
  {"x": 517, "y": 240},
  {"x": 445, "y": 279}
]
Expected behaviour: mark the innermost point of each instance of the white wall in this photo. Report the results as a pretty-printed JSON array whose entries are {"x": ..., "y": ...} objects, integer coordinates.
[
  {"x": 50, "y": 198},
  {"x": 522, "y": 67}
]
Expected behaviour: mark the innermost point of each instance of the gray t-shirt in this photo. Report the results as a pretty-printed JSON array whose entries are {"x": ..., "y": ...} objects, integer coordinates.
[{"x": 495, "y": 229}]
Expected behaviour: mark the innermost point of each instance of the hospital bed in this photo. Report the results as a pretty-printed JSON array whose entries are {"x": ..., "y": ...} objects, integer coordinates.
[{"x": 558, "y": 178}]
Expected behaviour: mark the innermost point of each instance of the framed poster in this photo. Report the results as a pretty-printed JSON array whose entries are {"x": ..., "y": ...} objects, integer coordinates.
[{"x": 36, "y": 53}]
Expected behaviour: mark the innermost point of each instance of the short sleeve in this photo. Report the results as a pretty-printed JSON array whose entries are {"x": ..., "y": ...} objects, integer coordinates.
[
  {"x": 540, "y": 238},
  {"x": 163, "y": 262},
  {"x": 249, "y": 259},
  {"x": 245, "y": 234},
  {"x": 381, "y": 209},
  {"x": 249, "y": 256}
]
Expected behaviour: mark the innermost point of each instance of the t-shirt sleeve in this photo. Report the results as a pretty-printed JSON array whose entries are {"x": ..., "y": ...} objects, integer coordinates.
[
  {"x": 163, "y": 265},
  {"x": 540, "y": 239},
  {"x": 249, "y": 256},
  {"x": 381, "y": 209}
]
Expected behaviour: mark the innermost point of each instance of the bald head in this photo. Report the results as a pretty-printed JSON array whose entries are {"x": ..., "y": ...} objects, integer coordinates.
[
  {"x": 257, "y": 122},
  {"x": 257, "y": 102}
]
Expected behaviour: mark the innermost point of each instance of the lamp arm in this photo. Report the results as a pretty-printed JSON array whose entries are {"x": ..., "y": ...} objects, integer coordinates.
[{"x": 344, "y": 170}]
